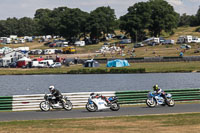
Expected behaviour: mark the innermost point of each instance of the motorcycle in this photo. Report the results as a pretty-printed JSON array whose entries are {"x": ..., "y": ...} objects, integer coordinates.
[
  {"x": 95, "y": 104},
  {"x": 51, "y": 102},
  {"x": 154, "y": 99}
]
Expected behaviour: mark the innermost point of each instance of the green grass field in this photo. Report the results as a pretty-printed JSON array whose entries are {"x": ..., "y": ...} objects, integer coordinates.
[{"x": 173, "y": 123}]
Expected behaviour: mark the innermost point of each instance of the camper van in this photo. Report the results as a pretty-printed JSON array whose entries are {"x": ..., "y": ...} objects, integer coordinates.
[
  {"x": 45, "y": 63},
  {"x": 4, "y": 62}
]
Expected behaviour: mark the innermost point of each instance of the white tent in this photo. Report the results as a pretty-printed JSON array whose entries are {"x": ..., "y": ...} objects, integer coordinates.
[{"x": 24, "y": 59}]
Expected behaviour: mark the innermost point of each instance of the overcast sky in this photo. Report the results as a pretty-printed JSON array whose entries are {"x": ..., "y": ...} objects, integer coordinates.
[{"x": 27, "y": 8}]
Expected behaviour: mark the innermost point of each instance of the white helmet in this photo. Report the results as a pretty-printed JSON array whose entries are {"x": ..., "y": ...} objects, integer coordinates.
[{"x": 51, "y": 87}]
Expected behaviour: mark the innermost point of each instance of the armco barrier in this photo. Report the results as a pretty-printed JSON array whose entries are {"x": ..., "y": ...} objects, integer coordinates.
[
  {"x": 136, "y": 97},
  {"x": 5, "y": 103},
  {"x": 31, "y": 102}
]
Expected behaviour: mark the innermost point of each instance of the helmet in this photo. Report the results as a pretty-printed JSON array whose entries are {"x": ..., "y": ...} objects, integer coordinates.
[
  {"x": 155, "y": 87},
  {"x": 51, "y": 87},
  {"x": 92, "y": 94}
]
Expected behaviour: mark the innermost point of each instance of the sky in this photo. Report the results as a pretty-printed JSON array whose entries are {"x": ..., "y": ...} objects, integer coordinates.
[{"x": 27, "y": 8}]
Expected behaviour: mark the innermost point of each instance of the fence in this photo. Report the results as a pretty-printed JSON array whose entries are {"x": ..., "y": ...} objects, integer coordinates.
[
  {"x": 79, "y": 100},
  {"x": 6, "y": 103},
  {"x": 136, "y": 97},
  {"x": 155, "y": 59}
]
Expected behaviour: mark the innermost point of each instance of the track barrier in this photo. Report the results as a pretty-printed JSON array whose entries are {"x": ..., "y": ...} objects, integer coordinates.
[
  {"x": 79, "y": 100},
  {"x": 138, "y": 97}
]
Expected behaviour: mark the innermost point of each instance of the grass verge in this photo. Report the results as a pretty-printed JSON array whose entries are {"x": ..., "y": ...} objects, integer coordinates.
[{"x": 183, "y": 123}]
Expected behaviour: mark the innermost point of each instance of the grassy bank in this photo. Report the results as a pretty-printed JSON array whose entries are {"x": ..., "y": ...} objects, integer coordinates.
[
  {"x": 157, "y": 67},
  {"x": 182, "y": 123}
]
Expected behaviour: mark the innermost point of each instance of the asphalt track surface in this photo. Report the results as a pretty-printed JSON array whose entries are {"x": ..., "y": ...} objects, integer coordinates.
[{"x": 83, "y": 113}]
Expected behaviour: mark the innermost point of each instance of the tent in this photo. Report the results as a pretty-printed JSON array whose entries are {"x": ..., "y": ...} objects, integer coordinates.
[
  {"x": 91, "y": 63},
  {"x": 23, "y": 62},
  {"x": 117, "y": 63}
]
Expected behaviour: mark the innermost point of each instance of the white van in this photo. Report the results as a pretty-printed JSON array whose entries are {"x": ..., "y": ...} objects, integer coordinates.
[
  {"x": 45, "y": 63},
  {"x": 35, "y": 63}
]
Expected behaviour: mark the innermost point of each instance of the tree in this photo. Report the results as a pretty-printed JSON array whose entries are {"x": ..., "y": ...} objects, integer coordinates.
[
  {"x": 136, "y": 20},
  {"x": 27, "y": 27},
  {"x": 163, "y": 17},
  {"x": 4, "y": 28},
  {"x": 43, "y": 19},
  {"x": 55, "y": 18},
  {"x": 184, "y": 20},
  {"x": 101, "y": 22},
  {"x": 12, "y": 26},
  {"x": 72, "y": 23}
]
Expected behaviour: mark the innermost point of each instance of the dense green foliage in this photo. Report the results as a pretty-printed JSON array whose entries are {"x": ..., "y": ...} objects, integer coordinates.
[
  {"x": 101, "y": 21},
  {"x": 154, "y": 15},
  {"x": 136, "y": 20},
  {"x": 21, "y": 27}
]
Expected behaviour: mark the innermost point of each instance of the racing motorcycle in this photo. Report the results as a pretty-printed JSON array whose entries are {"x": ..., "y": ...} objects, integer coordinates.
[
  {"x": 154, "y": 99},
  {"x": 51, "y": 102},
  {"x": 95, "y": 104}
]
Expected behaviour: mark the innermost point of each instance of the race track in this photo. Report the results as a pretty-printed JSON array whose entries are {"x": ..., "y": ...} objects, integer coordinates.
[{"x": 83, "y": 113}]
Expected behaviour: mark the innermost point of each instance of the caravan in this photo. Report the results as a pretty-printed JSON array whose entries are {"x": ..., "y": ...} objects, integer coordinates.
[
  {"x": 5, "y": 40},
  {"x": 4, "y": 62}
]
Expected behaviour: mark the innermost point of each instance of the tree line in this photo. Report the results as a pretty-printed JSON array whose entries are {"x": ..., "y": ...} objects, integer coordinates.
[{"x": 142, "y": 19}]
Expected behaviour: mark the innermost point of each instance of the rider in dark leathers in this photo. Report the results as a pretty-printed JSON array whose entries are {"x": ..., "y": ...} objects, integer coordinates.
[{"x": 55, "y": 93}]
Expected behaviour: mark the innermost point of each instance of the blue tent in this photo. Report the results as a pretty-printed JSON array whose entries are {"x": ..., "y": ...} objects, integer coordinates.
[{"x": 117, "y": 63}]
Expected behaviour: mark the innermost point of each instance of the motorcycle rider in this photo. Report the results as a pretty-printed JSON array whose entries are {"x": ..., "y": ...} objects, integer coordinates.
[
  {"x": 93, "y": 95},
  {"x": 158, "y": 91},
  {"x": 56, "y": 93}
]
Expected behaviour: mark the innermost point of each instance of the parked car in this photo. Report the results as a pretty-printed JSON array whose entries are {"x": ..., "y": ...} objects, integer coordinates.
[
  {"x": 185, "y": 46},
  {"x": 56, "y": 65},
  {"x": 125, "y": 41},
  {"x": 13, "y": 65},
  {"x": 153, "y": 43},
  {"x": 138, "y": 45},
  {"x": 168, "y": 42}
]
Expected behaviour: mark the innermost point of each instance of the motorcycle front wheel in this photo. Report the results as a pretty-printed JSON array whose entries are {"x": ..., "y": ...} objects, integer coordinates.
[
  {"x": 67, "y": 105},
  {"x": 115, "y": 107},
  {"x": 91, "y": 107},
  {"x": 170, "y": 103},
  {"x": 150, "y": 103},
  {"x": 44, "y": 106}
]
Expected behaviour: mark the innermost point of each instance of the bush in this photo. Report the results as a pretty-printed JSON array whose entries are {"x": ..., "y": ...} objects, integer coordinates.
[
  {"x": 127, "y": 70},
  {"x": 105, "y": 70}
]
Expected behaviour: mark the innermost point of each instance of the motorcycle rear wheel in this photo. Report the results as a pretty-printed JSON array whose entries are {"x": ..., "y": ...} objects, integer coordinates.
[
  {"x": 44, "y": 106},
  {"x": 67, "y": 105},
  {"x": 91, "y": 107},
  {"x": 115, "y": 107},
  {"x": 151, "y": 103}
]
